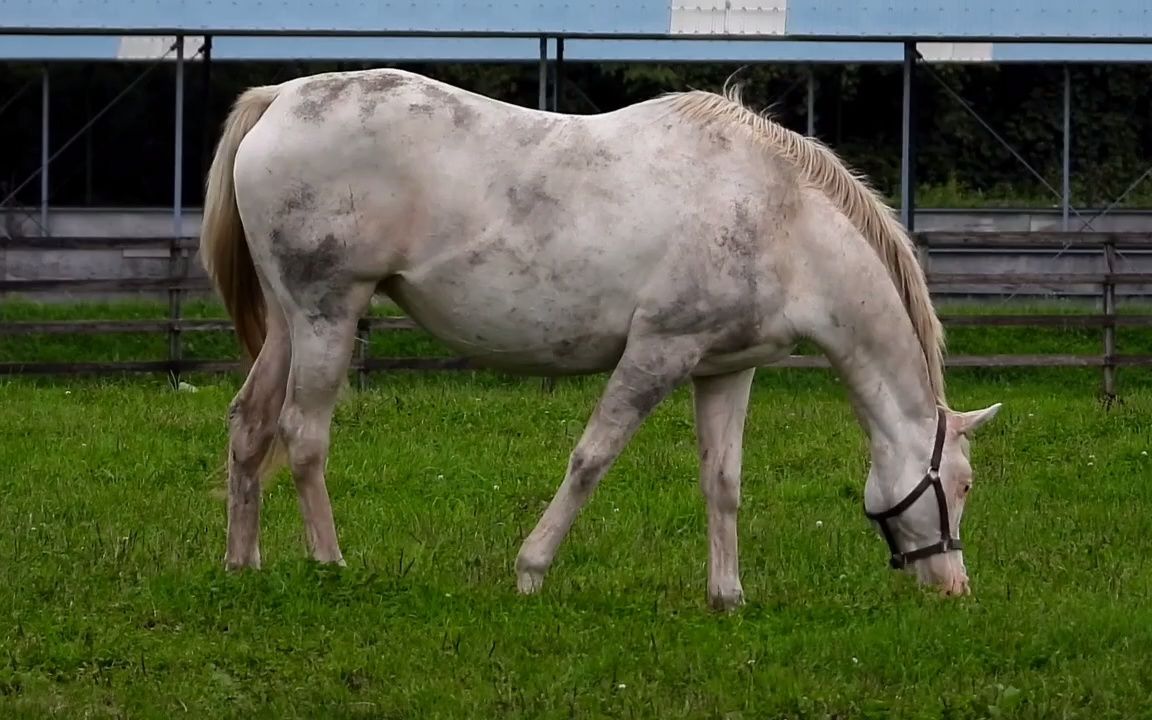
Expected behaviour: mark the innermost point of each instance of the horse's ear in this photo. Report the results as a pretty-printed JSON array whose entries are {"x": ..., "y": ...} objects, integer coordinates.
[{"x": 969, "y": 422}]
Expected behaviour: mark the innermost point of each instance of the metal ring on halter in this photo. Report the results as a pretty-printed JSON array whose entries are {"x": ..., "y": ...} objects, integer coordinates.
[{"x": 898, "y": 559}]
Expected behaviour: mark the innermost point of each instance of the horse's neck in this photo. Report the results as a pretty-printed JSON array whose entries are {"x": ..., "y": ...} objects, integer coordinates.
[
  {"x": 862, "y": 327},
  {"x": 893, "y": 403}
]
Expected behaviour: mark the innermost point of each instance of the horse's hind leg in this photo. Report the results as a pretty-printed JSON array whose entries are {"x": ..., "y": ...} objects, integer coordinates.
[
  {"x": 649, "y": 370},
  {"x": 721, "y": 409},
  {"x": 252, "y": 420},
  {"x": 322, "y": 340}
]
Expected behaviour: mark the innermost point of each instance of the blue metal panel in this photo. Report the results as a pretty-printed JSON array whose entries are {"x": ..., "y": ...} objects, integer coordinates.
[
  {"x": 427, "y": 49},
  {"x": 430, "y": 49},
  {"x": 575, "y": 50},
  {"x": 806, "y": 19},
  {"x": 58, "y": 47},
  {"x": 750, "y": 51},
  {"x": 644, "y": 17},
  {"x": 958, "y": 19},
  {"x": 423, "y": 49},
  {"x": 1045, "y": 52},
  {"x": 528, "y": 50}
]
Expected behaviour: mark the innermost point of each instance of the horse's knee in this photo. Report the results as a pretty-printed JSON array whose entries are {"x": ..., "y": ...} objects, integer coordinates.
[
  {"x": 585, "y": 469},
  {"x": 306, "y": 440},
  {"x": 722, "y": 489},
  {"x": 251, "y": 434}
]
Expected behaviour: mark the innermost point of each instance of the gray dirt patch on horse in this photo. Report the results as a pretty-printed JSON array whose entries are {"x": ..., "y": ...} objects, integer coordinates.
[
  {"x": 318, "y": 96},
  {"x": 463, "y": 117},
  {"x": 301, "y": 199},
  {"x": 523, "y": 200}
]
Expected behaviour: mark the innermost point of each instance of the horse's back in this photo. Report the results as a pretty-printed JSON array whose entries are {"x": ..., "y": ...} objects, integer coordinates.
[{"x": 528, "y": 237}]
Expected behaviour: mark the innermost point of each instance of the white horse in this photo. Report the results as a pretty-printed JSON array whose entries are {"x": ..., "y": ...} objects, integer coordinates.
[{"x": 685, "y": 238}]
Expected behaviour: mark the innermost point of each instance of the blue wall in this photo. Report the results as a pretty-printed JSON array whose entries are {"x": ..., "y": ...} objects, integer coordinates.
[{"x": 845, "y": 19}]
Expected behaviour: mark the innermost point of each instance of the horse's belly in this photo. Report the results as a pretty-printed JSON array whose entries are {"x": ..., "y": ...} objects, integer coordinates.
[
  {"x": 515, "y": 326},
  {"x": 771, "y": 351}
]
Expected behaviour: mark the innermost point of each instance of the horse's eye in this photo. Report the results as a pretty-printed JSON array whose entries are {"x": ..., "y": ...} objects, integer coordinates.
[{"x": 965, "y": 488}]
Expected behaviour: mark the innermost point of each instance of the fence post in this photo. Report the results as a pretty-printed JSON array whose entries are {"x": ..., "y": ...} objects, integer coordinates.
[
  {"x": 175, "y": 255},
  {"x": 176, "y": 272},
  {"x": 363, "y": 334},
  {"x": 1110, "y": 323}
]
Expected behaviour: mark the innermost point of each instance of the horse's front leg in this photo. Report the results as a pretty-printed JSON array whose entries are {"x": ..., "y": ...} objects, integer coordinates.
[
  {"x": 649, "y": 369},
  {"x": 721, "y": 408}
]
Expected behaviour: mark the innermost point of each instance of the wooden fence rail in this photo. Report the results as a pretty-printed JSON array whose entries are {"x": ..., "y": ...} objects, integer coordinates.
[
  {"x": 951, "y": 239},
  {"x": 180, "y": 280},
  {"x": 1107, "y": 244}
]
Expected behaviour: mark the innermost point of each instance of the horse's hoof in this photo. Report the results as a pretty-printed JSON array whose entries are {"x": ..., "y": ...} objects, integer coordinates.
[
  {"x": 529, "y": 582},
  {"x": 241, "y": 563},
  {"x": 337, "y": 560},
  {"x": 726, "y": 600}
]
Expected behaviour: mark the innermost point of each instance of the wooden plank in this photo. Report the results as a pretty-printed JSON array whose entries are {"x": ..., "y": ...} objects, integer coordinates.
[
  {"x": 212, "y": 366},
  {"x": 106, "y": 284},
  {"x": 107, "y": 368},
  {"x": 942, "y": 239},
  {"x": 1039, "y": 278},
  {"x": 801, "y": 361},
  {"x": 420, "y": 363},
  {"x": 403, "y": 363},
  {"x": 994, "y": 361},
  {"x": 1003, "y": 361},
  {"x": 101, "y": 327},
  {"x": 390, "y": 323},
  {"x": 1047, "y": 321},
  {"x": 105, "y": 327},
  {"x": 97, "y": 243}
]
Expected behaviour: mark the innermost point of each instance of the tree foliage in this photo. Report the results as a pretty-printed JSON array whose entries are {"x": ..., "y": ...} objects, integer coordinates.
[{"x": 126, "y": 157}]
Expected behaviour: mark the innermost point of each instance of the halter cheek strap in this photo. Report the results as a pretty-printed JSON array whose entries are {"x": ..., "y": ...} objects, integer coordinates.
[{"x": 898, "y": 559}]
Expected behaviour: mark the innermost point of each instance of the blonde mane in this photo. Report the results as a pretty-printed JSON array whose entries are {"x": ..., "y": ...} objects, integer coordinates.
[{"x": 823, "y": 170}]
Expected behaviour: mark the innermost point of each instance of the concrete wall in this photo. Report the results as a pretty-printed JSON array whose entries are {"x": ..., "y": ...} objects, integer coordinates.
[{"x": 47, "y": 264}]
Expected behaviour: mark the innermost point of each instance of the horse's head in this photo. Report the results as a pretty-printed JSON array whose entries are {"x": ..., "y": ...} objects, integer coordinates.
[{"x": 922, "y": 527}]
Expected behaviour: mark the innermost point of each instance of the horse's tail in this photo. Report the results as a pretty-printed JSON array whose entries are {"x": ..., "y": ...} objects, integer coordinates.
[{"x": 223, "y": 245}]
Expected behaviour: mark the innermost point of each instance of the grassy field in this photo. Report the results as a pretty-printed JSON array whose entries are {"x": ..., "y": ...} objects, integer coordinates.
[{"x": 113, "y": 602}]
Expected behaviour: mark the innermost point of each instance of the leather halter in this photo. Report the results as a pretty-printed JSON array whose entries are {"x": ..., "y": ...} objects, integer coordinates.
[{"x": 900, "y": 560}]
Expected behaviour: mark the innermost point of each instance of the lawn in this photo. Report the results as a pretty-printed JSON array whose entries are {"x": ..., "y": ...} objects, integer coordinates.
[{"x": 113, "y": 601}]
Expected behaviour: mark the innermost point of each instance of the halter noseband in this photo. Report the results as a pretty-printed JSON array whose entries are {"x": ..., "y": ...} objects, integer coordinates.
[{"x": 899, "y": 560}]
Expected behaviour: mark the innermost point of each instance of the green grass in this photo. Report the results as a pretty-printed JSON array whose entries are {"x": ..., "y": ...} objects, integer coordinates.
[{"x": 113, "y": 602}]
